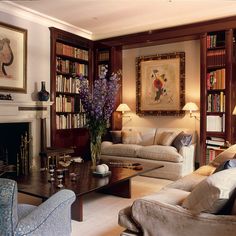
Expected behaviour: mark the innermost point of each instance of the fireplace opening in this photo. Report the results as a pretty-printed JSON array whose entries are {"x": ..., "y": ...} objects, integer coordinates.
[{"x": 15, "y": 151}]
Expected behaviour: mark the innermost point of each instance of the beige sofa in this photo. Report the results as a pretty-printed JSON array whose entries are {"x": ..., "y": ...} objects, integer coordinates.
[
  {"x": 152, "y": 146},
  {"x": 201, "y": 203}
]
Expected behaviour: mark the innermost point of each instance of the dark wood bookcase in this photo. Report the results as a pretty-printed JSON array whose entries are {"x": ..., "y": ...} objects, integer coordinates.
[
  {"x": 217, "y": 85},
  {"x": 71, "y": 55}
]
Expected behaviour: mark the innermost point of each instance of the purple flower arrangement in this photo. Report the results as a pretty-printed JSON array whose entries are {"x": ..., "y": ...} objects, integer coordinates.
[{"x": 99, "y": 103}]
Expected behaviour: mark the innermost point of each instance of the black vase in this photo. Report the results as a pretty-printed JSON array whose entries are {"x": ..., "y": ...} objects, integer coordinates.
[{"x": 43, "y": 95}]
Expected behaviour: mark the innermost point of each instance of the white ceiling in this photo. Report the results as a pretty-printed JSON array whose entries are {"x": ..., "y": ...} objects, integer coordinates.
[{"x": 108, "y": 18}]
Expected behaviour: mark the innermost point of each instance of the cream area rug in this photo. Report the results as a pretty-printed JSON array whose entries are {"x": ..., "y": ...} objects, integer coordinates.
[{"x": 101, "y": 210}]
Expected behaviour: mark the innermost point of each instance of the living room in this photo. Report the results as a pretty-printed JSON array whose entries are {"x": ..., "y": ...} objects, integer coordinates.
[{"x": 25, "y": 106}]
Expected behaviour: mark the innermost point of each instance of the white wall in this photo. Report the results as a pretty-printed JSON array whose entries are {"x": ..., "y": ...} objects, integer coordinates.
[
  {"x": 38, "y": 69},
  {"x": 192, "y": 84}
]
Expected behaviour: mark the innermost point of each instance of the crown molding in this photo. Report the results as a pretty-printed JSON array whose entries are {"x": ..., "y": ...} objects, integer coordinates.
[{"x": 34, "y": 16}]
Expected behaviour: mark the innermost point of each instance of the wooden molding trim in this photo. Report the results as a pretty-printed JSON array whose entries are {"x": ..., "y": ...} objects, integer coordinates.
[{"x": 170, "y": 35}]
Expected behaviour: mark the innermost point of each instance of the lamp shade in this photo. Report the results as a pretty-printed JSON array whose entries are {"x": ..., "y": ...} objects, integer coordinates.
[
  {"x": 234, "y": 111},
  {"x": 123, "y": 107},
  {"x": 190, "y": 106}
]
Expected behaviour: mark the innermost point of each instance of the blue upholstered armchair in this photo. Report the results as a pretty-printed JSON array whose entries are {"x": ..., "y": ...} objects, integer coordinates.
[{"x": 52, "y": 217}]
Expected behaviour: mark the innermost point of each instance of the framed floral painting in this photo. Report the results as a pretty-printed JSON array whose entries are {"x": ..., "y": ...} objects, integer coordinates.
[
  {"x": 13, "y": 51},
  {"x": 160, "y": 84}
]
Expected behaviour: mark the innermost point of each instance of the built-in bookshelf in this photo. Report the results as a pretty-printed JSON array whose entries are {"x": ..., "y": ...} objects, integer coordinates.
[
  {"x": 70, "y": 58},
  {"x": 71, "y": 62},
  {"x": 217, "y": 59}
]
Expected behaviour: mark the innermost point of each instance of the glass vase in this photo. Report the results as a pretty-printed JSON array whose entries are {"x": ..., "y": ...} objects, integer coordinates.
[{"x": 95, "y": 148}]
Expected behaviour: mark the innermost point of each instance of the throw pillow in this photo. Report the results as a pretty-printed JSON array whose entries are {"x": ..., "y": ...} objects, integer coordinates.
[
  {"x": 226, "y": 165},
  {"x": 166, "y": 138},
  {"x": 211, "y": 194},
  {"x": 116, "y": 136},
  {"x": 131, "y": 137},
  {"x": 228, "y": 154},
  {"x": 181, "y": 140}
]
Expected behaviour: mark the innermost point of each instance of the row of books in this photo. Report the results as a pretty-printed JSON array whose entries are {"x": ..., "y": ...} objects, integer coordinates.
[
  {"x": 67, "y": 84},
  {"x": 215, "y": 123},
  {"x": 66, "y": 50},
  {"x": 216, "y": 102},
  {"x": 213, "y": 41},
  {"x": 213, "y": 146},
  {"x": 67, "y": 66},
  {"x": 103, "y": 56},
  {"x": 68, "y": 104},
  {"x": 70, "y": 121},
  {"x": 216, "y": 79},
  {"x": 216, "y": 58},
  {"x": 210, "y": 155}
]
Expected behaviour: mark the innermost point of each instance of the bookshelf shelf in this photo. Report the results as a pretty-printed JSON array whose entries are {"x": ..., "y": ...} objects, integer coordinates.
[
  {"x": 216, "y": 134},
  {"x": 217, "y": 84}
]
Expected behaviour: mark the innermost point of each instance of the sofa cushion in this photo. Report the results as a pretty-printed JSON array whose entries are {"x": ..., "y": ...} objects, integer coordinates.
[
  {"x": 160, "y": 153},
  {"x": 211, "y": 194},
  {"x": 147, "y": 134},
  {"x": 182, "y": 139},
  {"x": 131, "y": 137},
  {"x": 228, "y": 154},
  {"x": 169, "y": 196},
  {"x": 166, "y": 138},
  {"x": 127, "y": 150},
  {"x": 116, "y": 136},
  {"x": 187, "y": 183},
  {"x": 160, "y": 131}
]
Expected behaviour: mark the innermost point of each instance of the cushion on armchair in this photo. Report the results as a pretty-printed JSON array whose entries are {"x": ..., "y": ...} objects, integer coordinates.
[{"x": 211, "y": 194}]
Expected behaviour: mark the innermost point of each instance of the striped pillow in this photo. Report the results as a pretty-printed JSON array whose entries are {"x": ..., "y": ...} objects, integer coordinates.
[{"x": 166, "y": 138}]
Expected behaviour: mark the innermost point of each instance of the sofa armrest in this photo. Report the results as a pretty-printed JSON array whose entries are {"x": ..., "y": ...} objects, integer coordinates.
[
  {"x": 188, "y": 153},
  {"x": 158, "y": 218},
  {"x": 55, "y": 213}
]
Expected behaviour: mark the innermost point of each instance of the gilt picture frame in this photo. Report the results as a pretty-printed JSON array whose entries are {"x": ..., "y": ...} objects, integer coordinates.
[
  {"x": 13, "y": 58},
  {"x": 160, "y": 84}
]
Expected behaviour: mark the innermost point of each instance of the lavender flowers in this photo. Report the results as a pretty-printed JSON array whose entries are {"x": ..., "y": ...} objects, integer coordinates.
[{"x": 99, "y": 104}]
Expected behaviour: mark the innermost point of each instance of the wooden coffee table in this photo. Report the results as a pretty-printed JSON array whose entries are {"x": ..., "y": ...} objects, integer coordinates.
[{"x": 117, "y": 183}]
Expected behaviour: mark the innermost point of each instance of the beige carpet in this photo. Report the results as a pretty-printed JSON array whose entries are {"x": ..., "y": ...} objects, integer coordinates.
[{"x": 101, "y": 211}]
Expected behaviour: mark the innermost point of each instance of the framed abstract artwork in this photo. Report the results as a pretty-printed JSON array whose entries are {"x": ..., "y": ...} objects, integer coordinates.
[
  {"x": 13, "y": 58},
  {"x": 160, "y": 84}
]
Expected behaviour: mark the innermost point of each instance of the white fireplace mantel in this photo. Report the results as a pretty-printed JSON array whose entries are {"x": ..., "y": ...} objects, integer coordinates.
[{"x": 12, "y": 110}]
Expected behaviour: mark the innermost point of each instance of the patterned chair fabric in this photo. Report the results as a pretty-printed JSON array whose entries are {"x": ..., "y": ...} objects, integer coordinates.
[{"x": 52, "y": 217}]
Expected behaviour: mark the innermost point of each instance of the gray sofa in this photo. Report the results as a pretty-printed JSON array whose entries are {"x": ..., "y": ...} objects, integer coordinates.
[
  {"x": 201, "y": 203},
  {"x": 151, "y": 145}
]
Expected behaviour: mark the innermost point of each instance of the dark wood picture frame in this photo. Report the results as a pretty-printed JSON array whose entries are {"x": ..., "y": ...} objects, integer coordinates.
[
  {"x": 13, "y": 58},
  {"x": 160, "y": 84}
]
